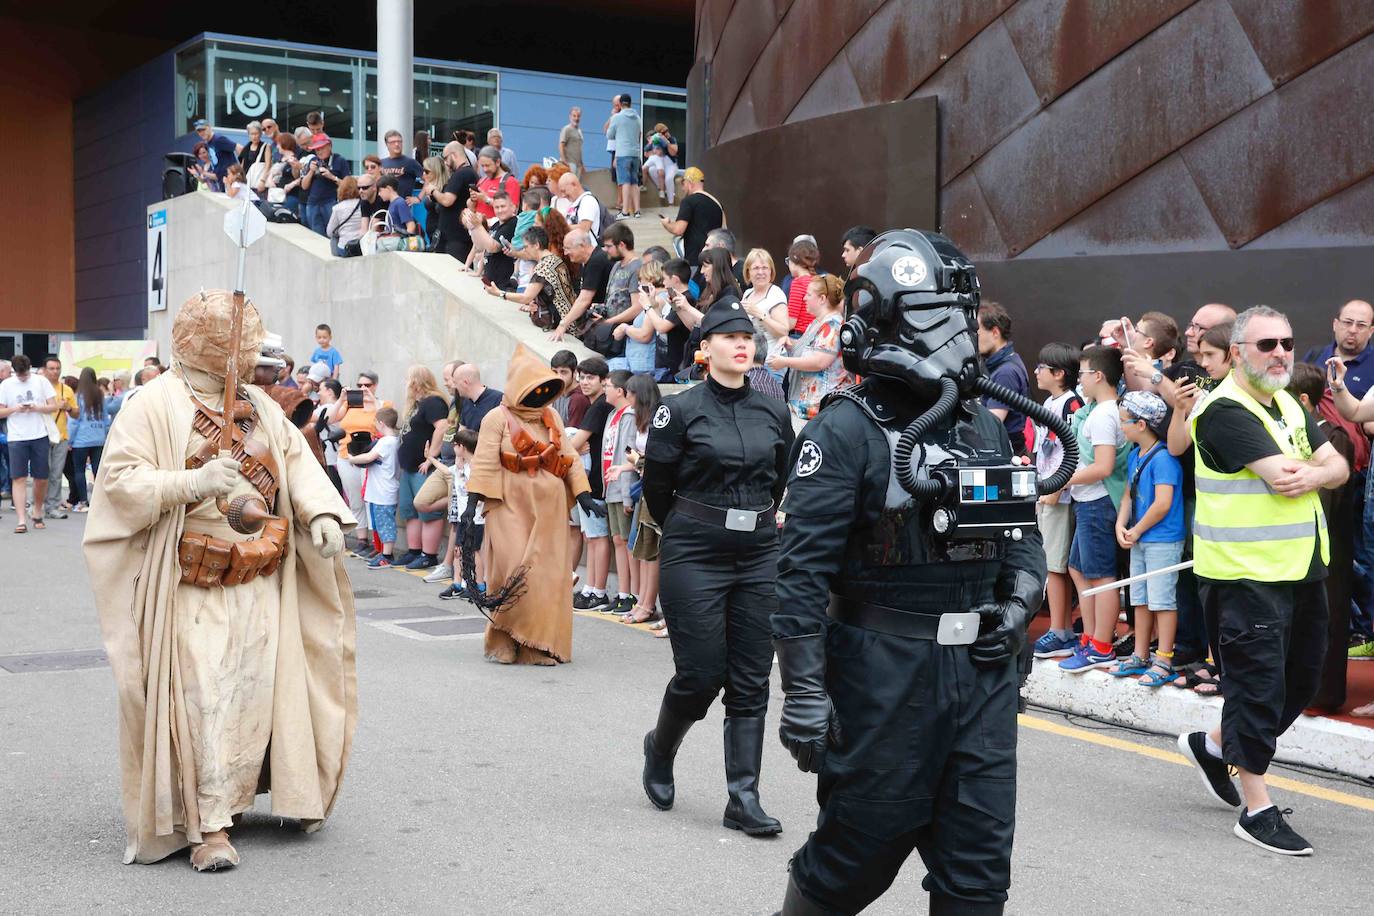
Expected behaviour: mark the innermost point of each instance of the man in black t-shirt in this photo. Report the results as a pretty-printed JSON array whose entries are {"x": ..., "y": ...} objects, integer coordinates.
[
  {"x": 495, "y": 240},
  {"x": 697, "y": 215},
  {"x": 450, "y": 200},
  {"x": 592, "y": 373},
  {"x": 591, "y": 282},
  {"x": 404, "y": 169},
  {"x": 1266, "y": 601},
  {"x": 421, "y": 438}
]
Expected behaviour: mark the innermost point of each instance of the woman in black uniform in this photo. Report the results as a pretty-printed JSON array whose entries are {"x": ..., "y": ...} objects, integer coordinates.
[{"x": 715, "y": 467}]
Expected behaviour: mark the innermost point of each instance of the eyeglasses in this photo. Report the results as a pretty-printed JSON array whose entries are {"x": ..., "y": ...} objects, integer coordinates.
[
  {"x": 1351, "y": 325},
  {"x": 1267, "y": 344},
  {"x": 1199, "y": 328}
]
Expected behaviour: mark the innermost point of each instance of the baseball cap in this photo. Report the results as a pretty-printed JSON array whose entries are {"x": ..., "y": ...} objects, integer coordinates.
[
  {"x": 318, "y": 141},
  {"x": 200, "y": 122},
  {"x": 319, "y": 372},
  {"x": 693, "y": 174}
]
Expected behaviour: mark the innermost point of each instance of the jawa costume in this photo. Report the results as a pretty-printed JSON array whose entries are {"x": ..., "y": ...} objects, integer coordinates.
[
  {"x": 528, "y": 476},
  {"x": 233, "y": 653}
]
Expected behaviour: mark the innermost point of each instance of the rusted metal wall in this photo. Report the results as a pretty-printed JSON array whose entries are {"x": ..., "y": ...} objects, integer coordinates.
[{"x": 1130, "y": 133}]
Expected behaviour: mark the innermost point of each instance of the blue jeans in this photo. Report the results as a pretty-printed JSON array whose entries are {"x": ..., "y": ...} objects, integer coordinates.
[{"x": 317, "y": 215}]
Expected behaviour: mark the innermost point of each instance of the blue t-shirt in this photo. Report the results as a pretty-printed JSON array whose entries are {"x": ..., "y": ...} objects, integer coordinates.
[
  {"x": 1163, "y": 468},
  {"x": 400, "y": 214},
  {"x": 331, "y": 356}
]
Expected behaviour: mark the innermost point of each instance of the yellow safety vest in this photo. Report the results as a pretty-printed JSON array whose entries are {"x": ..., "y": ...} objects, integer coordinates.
[{"x": 1242, "y": 529}]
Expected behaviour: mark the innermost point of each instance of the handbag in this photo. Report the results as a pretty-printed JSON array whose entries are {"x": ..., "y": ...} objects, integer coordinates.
[
  {"x": 601, "y": 339},
  {"x": 50, "y": 424}
]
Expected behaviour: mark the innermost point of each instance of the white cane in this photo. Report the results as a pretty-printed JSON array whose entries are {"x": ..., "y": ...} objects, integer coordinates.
[{"x": 1120, "y": 583}]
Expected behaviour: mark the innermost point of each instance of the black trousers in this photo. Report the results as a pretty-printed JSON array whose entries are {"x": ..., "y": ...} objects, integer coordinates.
[
  {"x": 717, "y": 589},
  {"x": 1272, "y": 640},
  {"x": 926, "y": 761}
]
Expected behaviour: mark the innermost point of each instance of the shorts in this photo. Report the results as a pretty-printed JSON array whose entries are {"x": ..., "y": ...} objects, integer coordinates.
[
  {"x": 593, "y": 526},
  {"x": 1094, "y": 539},
  {"x": 1056, "y": 529},
  {"x": 618, "y": 520},
  {"x": 411, "y": 482},
  {"x": 627, "y": 170},
  {"x": 29, "y": 458},
  {"x": 1158, "y": 592},
  {"x": 382, "y": 520}
]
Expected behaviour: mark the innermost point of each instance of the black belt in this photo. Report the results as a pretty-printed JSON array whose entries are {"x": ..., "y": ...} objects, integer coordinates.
[
  {"x": 953, "y": 629},
  {"x": 731, "y": 519}
]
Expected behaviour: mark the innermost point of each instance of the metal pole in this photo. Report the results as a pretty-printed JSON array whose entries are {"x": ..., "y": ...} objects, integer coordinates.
[
  {"x": 395, "y": 69},
  {"x": 1112, "y": 586}
]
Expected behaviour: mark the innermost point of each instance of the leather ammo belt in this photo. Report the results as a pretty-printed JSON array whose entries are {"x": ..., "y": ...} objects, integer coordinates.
[
  {"x": 955, "y": 629},
  {"x": 258, "y": 465},
  {"x": 731, "y": 519},
  {"x": 207, "y": 561}
]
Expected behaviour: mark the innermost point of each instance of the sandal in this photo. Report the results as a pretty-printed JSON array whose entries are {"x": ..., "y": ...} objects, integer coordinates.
[
  {"x": 38, "y": 524},
  {"x": 1157, "y": 675},
  {"x": 1205, "y": 673},
  {"x": 21, "y": 529},
  {"x": 1131, "y": 667},
  {"x": 640, "y": 614}
]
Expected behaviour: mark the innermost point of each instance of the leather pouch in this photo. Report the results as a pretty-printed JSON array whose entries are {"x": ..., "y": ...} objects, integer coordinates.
[
  {"x": 246, "y": 559},
  {"x": 275, "y": 532},
  {"x": 190, "y": 554},
  {"x": 214, "y": 563}
]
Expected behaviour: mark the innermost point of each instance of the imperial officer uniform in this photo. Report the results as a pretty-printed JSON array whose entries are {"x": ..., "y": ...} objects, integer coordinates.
[
  {"x": 715, "y": 465},
  {"x": 900, "y": 698}
]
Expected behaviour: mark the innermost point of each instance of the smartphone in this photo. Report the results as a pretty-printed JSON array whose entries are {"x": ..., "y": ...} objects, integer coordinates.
[
  {"x": 646, "y": 289},
  {"x": 1127, "y": 330},
  {"x": 505, "y": 244},
  {"x": 355, "y": 397}
]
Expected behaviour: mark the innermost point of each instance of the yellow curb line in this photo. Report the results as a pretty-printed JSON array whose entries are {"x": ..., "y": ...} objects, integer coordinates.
[
  {"x": 612, "y": 618},
  {"x": 1276, "y": 782}
]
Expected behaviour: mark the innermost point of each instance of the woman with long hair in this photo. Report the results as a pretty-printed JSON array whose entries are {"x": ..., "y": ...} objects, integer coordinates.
[
  {"x": 424, "y": 420},
  {"x": 346, "y": 221},
  {"x": 719, "y": 275},
  {"x": 556, "y": 225},
  {"x": 715, "y": 466},
  {"x": 815, "y": 360},
  {"x": 434, "y": 175},
  {"x": 642, "y": 393},
  {"x": 87, "y": 433},
  {"x": 421, "y": 151}
]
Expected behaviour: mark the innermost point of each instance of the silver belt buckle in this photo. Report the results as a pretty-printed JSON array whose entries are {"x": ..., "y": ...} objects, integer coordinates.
[
  {"x": 741, "y": 520},
  {"x": 958, "y": 629}
]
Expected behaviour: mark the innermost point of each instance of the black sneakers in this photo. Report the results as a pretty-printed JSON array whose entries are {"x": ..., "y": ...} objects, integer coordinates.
[
  {"x": 1268, "y": 830},
  {"x": 1216, "y": 779},
  {"x": 583, "y": 601}
]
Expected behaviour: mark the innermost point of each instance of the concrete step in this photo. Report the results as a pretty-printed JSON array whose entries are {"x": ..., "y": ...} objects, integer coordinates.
[{"x": 602, "y": 185}]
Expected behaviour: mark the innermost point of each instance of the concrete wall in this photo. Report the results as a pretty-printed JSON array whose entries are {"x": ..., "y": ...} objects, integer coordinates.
[{"x": 388, "y": 312}]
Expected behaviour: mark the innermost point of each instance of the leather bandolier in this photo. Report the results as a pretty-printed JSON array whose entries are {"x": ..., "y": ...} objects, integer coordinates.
[
  {"x": 530, "y": 455},
  {"x": 206, "y": 560}
]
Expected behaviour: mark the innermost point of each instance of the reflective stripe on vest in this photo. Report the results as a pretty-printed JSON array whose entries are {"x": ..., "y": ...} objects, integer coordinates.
[{"x": 1242, "y": 529}]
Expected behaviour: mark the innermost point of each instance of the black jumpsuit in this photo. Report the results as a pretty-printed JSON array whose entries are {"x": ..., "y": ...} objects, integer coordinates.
[
  {"x": 727, "y": 448},
  {"x": 926, "y": 757}
]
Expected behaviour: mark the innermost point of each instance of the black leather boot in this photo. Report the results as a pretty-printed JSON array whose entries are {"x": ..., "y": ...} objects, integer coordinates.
[
  {"x": 940, "y": 905},
  {"x": 660, "y": 747},
  {"x": 743, "y": 757},
  {"x": 797, "y": 904}
]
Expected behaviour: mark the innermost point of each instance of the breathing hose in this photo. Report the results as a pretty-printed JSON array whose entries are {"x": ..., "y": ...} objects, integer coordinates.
[
  {"x": 1057, "y": 424},
  {"x": 944, "y": 405}
]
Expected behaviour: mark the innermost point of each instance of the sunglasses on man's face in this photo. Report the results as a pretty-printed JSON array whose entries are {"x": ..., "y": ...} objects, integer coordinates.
[{"x": 1267, "y": 344}]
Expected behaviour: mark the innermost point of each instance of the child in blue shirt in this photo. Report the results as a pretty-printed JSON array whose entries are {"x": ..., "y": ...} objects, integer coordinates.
[
  {"x": 324, "y": 350},
  {"x": 1150, "y": 525}
]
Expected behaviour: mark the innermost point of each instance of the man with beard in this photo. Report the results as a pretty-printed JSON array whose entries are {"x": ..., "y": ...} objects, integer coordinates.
[
  {"x": 1350, "y": 330},
  {"x": 1261, "y": 551}
]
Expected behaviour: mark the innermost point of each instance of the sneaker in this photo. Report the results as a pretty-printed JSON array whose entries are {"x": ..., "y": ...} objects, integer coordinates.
[
  {"x": 635, "y": 215},
  {"x": 380, "y": 561},
  {"x": 453, "y": 592},
  {"x": 423, "y": 561},
  {"x": 1216, "y": 777},
  {"x": 81, "y": 508},
  {"x": 405, "y": 558},
  {"x": 1125, "y": 646},
  {"x": 1268, "y": 830},
  {"x": 621, "y": 605},
  {"x": 1363, "y": 652},
  {"x": 366, "y": 553},
  {"x": 584, "y": 601},
  {"x": 1086, "y": 659},
  {"x": 441, "y": 572},
  {"x": 55, "y": 514},
  {"x": 1051, "y": 646}
]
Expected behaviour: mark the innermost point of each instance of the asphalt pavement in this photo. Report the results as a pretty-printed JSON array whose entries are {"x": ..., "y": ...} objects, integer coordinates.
[{"x": 482, "y": 789}]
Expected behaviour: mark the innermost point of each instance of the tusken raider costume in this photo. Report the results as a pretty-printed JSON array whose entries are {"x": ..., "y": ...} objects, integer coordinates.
[{"x": 910, "y": 565}]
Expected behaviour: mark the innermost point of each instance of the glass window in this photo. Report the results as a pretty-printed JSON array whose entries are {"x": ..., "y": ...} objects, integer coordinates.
[
  {"x": 190, "y": 100},
  {"x": 447, "y": 100},
  {"x": 668, "y": 108}
]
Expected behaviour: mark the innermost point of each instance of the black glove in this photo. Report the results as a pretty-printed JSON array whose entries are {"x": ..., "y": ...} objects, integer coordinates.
[
  {"x": 590, "y": 505},
  {"x": 470, "y": 511},
  {"x": 808, "y": 724},
  {"x": 1003, "y": 628}
]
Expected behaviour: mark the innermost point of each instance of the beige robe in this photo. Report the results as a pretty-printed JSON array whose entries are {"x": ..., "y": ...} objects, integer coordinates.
[{"x": 135, "y": 522}]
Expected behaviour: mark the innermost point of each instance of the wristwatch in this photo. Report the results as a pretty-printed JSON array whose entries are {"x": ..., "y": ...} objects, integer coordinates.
[{"x": 1157, "y": 377}]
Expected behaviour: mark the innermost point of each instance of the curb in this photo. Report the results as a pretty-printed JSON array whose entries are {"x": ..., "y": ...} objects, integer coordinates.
[{"x": 1312, "y": 741}]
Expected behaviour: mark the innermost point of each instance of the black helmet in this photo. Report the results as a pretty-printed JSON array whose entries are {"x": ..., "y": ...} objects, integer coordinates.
[{"x": 912, "y": 306}]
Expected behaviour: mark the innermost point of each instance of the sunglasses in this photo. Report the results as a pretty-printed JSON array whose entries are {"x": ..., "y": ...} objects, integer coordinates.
[{"x": 1268, "y": 344}]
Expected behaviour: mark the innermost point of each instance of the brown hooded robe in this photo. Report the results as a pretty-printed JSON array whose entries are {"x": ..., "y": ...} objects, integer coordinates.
[
  {"x": 135, "y": 523},
  {"x": 527, "y": 522}
]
